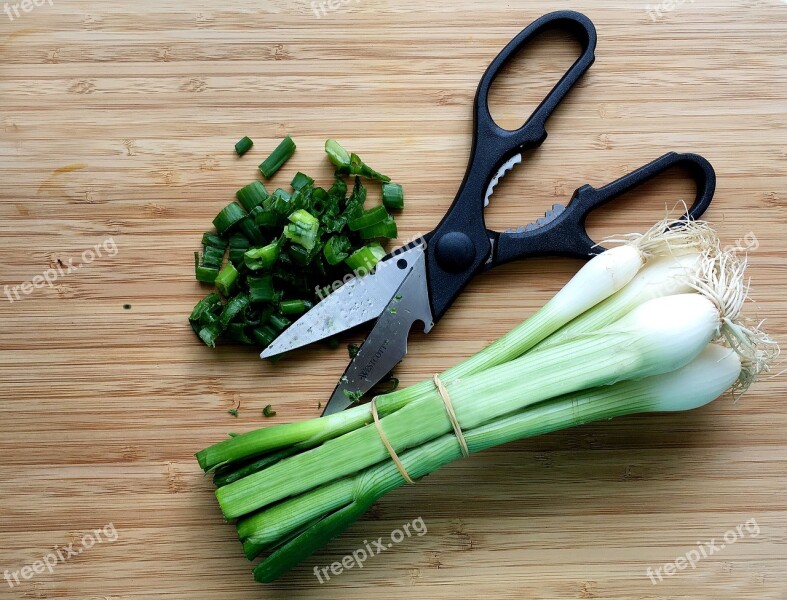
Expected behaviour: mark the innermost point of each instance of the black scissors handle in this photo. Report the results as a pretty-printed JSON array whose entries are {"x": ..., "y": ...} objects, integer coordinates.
[
  {"x": 567, "y": 235},
  {"x": 460, "y": 246}
]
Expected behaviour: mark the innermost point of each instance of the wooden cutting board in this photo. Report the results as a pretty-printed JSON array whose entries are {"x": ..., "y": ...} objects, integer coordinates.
[{"x": 118, "y": 123}]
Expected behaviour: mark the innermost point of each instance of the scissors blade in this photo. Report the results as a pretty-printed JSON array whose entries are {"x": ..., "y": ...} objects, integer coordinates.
[
  {"x": 501, "y": 172},
  {"x": 387, "y": 343},
  {"x": 356, "y": 302}
]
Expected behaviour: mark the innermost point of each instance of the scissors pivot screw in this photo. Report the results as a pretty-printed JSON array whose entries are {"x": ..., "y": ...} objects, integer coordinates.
[{"x": 455, "y": 252}]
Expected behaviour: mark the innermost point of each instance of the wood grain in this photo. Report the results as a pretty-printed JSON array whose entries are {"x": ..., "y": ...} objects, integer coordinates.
[{"x": 118, "y": 121}]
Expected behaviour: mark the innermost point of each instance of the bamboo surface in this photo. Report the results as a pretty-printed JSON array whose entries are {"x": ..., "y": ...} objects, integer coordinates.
[{"x": 118, "y": 122}]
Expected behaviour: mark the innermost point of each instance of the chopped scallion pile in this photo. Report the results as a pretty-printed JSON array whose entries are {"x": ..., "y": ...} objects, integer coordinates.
[{"x": 273, "y": 254}]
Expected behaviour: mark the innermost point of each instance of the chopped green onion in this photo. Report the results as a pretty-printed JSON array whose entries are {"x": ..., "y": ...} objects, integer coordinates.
[
  {"x": 268, "y": 411},
  {"x": 262, "y": 258},
  {"x": 251, "y": 315},
  {"x": 294, "y": 307},
  {"x": 357, "y": 199},
  {"x": 209, "y": 335},
  {"x": 209, "y": 305},
  {"x": 393, "y": 196},
  {"x": 251, "y": 231},
  {"x": 279, "y": 323},
  {"x": 337, "y": 154},
  {"x": 214, "y": 241},
  {"x": 353, "y": 350},
  {"x": 243, "y": 145},
  {"x": 339, "y": 189},
  {"x": 384, "y": 229},
  {"x": 303, "y": 229},
  {"x": 280, "y": 201},
  {"x": 261, "y": 288},
  {"x": 226, "y": 280},
  {"x": 350, "y": 164},
  {"x": 336, "y": 249},
  {"x": 229, "y": 216},
  {"x": 301, "y": 256},
  {"x": 236, "y": 332},
  {"x": 264, "y": 335},
  {"x": 252, "y": 195},
  {"x": 299, "y": 200},
  {"x": 239, "y": 244},
  {"x": 204, "y": 274},
  {"x": 358, "y": 167},
  {"x": 353, "y": 395},
  {"x": 233, "y": 412},
  {"x": 320, "y": 202},
  {"x": 266, "y": 219},
  {"x": 212, "y": 257},
  {"x": 263, "y": 314},
  {"x": 232, "y": 309},
  {"x": 301, "y": 181},
  {"x": 278, "y": 157},
  {"x": 366, "y": 257},
  {"x": 373, "y": 216},
  {"x": 281, "y": 235}
]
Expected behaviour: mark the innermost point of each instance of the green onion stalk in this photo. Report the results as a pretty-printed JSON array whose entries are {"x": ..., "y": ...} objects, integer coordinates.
[
  {"x": 601, "y": 278},
  {"x": 632, "y": 332},
  {"x": 338, "y": 504}
]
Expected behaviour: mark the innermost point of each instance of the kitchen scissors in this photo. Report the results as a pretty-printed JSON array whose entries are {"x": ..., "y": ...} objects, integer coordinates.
[{"x": 420, "y": 281}]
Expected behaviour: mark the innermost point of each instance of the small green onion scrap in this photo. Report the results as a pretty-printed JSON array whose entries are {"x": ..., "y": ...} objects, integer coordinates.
[
  {"x": 213, "y": 248},
  {"x": 251, "y": 196},
  {"x": 273, "y": 254},
  {"x": 652, "y": 325},
  {"x": 393, "y": 196},
  {"x": 243, "y": 145},
  {"x": 350, "y": 164},
  {"x": 364, "y": 259},
  {"x": 278, "y": 157}
]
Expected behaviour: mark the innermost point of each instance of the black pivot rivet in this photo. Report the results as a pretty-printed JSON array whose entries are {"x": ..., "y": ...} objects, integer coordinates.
[{"x": 455, "y": 252}]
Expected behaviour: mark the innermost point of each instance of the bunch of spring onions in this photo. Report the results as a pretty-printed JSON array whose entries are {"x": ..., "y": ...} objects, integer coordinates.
[{"x": 651, "y": 325}]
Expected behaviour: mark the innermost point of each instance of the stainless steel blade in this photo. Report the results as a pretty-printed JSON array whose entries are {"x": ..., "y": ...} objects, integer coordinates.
[
  {"x": 387, "y": 343},
  {"x": 356, "y": 302},
  {"x": 514, "y": 161}
]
